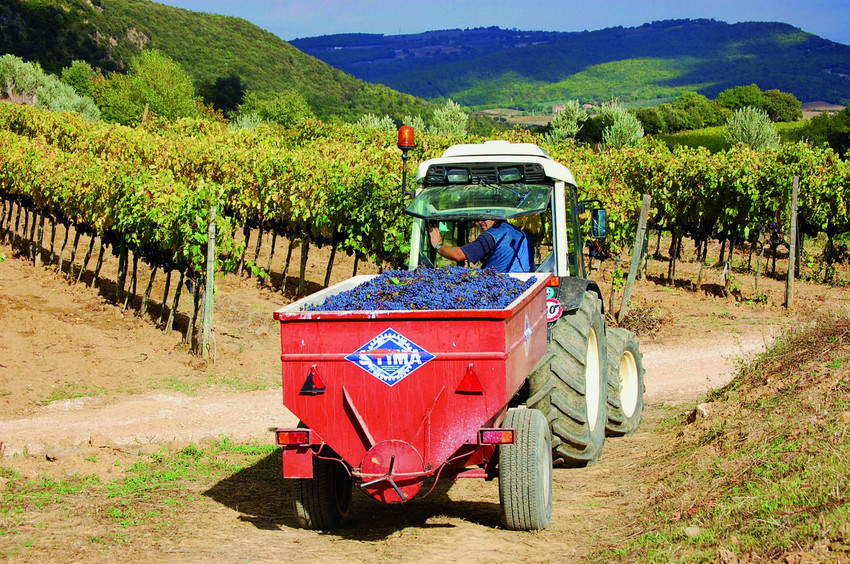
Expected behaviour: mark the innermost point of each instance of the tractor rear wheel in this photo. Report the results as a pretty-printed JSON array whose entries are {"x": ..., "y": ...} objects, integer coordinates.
[
  {"x": 525, "y": 472},
  {"x": 323, "y": 501},
  {"x": 569, "y": 384},
  {"x": 625, "y": 383}
]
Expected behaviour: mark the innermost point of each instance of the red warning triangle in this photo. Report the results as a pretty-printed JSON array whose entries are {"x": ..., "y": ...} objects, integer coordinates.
[
  {"x": 470, "y": 384},
  {"x": 314, "y": 383}
]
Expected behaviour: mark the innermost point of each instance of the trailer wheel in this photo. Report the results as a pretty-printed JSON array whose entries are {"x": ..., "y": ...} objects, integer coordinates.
[
  {"x": 569, "y": 384},
  {"x": 525, "y": 472},
  {"x": 625, "y": 383},
  {"x": 323, "y": 501}
]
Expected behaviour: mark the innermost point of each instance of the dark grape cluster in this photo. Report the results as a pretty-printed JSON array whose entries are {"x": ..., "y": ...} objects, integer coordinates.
[
  {"x": 453, "y": 287},
  {"x": 598, "y": 249}
]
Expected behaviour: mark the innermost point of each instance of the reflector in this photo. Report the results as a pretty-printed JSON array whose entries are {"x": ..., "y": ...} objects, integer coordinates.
[
  {"x": 497, "y": 436},
  {"x": 470, "y": 384},
  {"x": 314, "y": 383},
  {"x": 292, "y": 437}
]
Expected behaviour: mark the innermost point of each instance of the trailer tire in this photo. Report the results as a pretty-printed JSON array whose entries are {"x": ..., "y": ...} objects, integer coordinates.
[
  {"x": 569, "y": 384},
  {"x": 625, "y": 383},
  {"x": 525, "y": 472},
  {"x": 323, "y": 501}
]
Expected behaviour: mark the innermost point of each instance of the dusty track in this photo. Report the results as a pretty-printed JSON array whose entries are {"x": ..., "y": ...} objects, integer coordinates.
[
  {"x": 139, "y": 386},
  {"x": 674, "y": 373}
]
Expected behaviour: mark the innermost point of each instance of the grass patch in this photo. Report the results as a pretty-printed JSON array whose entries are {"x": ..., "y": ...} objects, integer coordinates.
[
  {"x": 764, "y": 475},
  {"x": 72, "y": 391},
  {"x": 239, "y": 383},
  {"x": 147, "y": 499},
  {"x": 229, "y": 382}
]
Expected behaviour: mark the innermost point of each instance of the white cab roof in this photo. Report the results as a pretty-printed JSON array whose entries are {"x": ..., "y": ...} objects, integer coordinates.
[{"x": 498, "y": 152}]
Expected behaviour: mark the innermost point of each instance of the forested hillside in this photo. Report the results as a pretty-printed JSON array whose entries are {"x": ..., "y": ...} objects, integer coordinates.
[
  {"x": 109, "y": 33},
  {"x": 492, "y": 66}
]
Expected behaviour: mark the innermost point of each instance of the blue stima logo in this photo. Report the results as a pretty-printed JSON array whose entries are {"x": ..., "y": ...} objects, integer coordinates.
[{"x": 390, "y": 357}]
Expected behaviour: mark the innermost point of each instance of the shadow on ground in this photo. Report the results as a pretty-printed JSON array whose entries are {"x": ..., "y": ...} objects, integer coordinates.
[{"x": 262, "y": 497}]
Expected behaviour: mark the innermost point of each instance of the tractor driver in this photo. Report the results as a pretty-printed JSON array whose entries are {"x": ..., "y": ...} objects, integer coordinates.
[{"x": 501, "y": 246}]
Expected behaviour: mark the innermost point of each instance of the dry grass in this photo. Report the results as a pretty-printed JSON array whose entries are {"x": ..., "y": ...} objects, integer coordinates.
[{"x": 759, "y": 472}]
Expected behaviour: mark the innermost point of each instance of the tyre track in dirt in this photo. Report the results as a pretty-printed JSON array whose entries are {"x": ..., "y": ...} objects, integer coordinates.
[{"x": 675, "y": 372}]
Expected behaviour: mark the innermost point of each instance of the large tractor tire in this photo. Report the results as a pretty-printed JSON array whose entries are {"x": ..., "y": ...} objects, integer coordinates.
[
  {"x": 569, "y": 384},
  {"x": 525, "y": 472},
  {"x": 323, "y": 501},
  {"x": 625, "y": 383}
]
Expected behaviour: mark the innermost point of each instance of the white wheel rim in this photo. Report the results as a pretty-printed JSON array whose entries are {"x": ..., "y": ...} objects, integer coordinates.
[
  {"x": 547, "y": 474},
  {"x": 591, "y": 380},
  {"x": 628, "y": 383}
]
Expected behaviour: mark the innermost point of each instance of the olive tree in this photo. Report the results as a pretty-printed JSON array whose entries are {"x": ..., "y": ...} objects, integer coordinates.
[
  {"x": 752, "y": 127},
  {"x": 567, "y": 122},
  {"x": 371, "y": 121},
  {"x": 622, "y": 127},
  {"x": 27, "y": 83},
  {"x": 416, "y": 122},
  {"x": 449, "y": 120}
]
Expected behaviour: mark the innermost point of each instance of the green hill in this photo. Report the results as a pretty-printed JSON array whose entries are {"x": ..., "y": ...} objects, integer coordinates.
[
  {"x": 492, "y": 66},
  {"x": 108, "y": 33}
]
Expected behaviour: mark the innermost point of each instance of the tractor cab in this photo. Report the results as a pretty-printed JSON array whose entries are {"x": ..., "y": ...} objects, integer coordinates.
[{"x": 514, "y": 182}]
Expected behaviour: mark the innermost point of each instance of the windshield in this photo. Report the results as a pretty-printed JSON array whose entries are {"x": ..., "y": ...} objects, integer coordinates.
[{"x": 480, "y": 201}]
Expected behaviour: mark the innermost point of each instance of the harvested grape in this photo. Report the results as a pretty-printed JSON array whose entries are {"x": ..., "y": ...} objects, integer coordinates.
[{"x": 454, "y": 287}]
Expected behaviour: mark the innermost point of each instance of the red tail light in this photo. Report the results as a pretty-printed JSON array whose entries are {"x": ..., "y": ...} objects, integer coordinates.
[
  {"x": 496, "y": 436},
  {"x": 285, "y": 437}
]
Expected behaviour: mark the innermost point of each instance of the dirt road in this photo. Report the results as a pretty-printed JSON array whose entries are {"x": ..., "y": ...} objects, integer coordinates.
[
  {"x": 674, "y": 373},
  {"x": 74, "y": 367}
]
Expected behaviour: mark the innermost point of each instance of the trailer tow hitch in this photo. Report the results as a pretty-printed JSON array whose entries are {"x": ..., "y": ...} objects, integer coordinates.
[
  {"x": 392, "y": 472},
  {"x": 389, "y": 479}
]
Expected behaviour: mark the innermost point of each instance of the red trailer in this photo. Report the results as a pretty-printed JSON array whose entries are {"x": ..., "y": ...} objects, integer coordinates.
[{"x": 388, "y": 399}]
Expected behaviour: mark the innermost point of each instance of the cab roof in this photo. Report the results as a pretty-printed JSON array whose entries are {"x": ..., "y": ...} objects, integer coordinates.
[{"x": 501, "y": 152}]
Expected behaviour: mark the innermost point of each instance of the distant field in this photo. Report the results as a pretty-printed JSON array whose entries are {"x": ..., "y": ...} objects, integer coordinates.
[
  {"x": 714, "y": 138},
  {"x": 517, "y": 117},
  {"x": 812, "y": 109}
]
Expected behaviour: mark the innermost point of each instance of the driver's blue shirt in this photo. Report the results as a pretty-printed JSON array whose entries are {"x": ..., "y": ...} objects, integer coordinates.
[{"x": 503, "y": 248}]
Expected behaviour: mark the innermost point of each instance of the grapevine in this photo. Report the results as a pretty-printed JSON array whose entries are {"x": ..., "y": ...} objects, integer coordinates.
[{"x": 150, "y": 187}]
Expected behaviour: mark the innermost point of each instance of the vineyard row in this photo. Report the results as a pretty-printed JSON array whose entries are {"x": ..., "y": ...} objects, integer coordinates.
[
  {"x": 80, "y": 255},
  {"x": 150, "y": 188}
]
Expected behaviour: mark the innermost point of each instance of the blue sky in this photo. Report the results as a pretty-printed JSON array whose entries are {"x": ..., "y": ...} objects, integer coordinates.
[{"x": 289, "y": 19}]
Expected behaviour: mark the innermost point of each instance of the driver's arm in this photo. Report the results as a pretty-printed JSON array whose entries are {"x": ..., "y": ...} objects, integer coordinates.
[{"x": 446, "y": 251}]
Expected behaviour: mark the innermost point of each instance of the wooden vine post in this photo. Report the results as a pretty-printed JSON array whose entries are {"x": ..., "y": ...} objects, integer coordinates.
[
  {"x": 792, "y": 251},
  {"x": 302, "y": 274},
  {"x": 175, "y": 303},
  {"x": 282, "y": 286},
  {"x": 268, "y": 277},
  {"x": 637, "y": 252},
  {"x": 758, "y": 269},
  {"x": 206, "y": 326},
  {"x": 40, "y": 240},
  {"x": 331, "y": 260}
]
